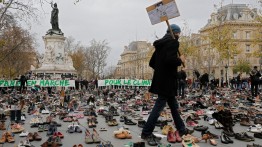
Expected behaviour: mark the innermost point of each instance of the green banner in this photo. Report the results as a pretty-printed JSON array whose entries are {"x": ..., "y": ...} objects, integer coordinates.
[
  {"x": 41, "y": 83},
  {"x": 124, "y": 82}
]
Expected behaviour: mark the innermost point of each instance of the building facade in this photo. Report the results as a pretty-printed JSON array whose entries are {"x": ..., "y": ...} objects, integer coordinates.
[
  {"x": 219, "y": 58},
  {"x": 134, "y": 62}
]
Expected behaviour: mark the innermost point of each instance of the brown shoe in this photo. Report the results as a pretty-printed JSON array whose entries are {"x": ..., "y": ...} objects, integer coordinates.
[
  {"x": 10, "y": 138},
  {"x": 54, "y": 145},
  {"x": 37, "y": 137},
  {"x": 2, "y": 126},
  {"x": 45, "y": 144},
  {"x": 127, "y": 134},
  {"x": 30, "y": 137},
  {"x": 120, "y": 135},
  {"x": 245, "y": 121},
  {"x": 258, "y": 121},
  {"x": 3, "y": 139}
]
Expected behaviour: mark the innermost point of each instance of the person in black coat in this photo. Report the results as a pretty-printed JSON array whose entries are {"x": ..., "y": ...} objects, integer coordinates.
[
  {"x": 23, "y": 81},
  {"x": 255, "y": 76},
  {"x": 164, "y": 61}
]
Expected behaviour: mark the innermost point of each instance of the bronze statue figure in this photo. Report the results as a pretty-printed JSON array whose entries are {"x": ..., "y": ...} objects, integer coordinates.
[
  {"x": 54, "y": 21},
  {"x": 54, "y": 17}
]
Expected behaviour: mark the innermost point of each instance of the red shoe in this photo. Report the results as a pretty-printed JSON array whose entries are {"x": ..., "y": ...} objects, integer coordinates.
[
  {"x": 171, "y": 137},
  {"x": 60, "y": 135},
  {"x": 178, "y": 138},
  {"x": 54, "y": 135}
]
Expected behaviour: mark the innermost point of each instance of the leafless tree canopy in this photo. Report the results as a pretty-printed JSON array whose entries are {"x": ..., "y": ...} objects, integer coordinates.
[
  {"x": 89, "y": 61},
  {"x": 96, "y": 56}
]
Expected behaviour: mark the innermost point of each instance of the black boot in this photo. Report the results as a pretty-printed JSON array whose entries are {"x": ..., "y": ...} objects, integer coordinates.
[{"x": 139, "y": 144}]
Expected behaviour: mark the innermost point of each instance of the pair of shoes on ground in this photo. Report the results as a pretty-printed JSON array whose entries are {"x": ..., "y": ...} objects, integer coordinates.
[
  {"x": 52, "y": 141},
  {"x": 122, "y": 133},
  {"x": 92, "y": 138},
  {"x": 74, "y": 128}
]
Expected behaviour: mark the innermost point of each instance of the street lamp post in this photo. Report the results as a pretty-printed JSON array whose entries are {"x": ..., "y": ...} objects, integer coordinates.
[{"x": 226, "y": 74}]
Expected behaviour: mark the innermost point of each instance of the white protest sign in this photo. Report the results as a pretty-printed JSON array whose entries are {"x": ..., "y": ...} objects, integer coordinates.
[
  {"x": 162, "y": 11},
  {"x": 124, "y": 82}
]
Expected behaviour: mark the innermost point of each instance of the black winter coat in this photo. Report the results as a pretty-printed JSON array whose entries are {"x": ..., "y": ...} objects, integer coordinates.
[{"x": 165, "y": 61}]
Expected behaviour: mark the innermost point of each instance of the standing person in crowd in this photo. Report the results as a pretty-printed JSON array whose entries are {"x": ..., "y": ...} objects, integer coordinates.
[
  {"x": 165, "y": 61},
  {"x": 22, "y": 81},
  {"x": 239, "y": 81},
  {"x": 222, "y": 82},
  {"x": 254, "y": 76},
  {"x": 96, "y": 83},
  {"x": 182, "y": 82},
  {"x": 81, "y": 84},
  {"x": 77, "y": 84},
  {"x": 86, "y": 84},
  {"x": 62, "y": 96},
  {"x": 204, "y": 80}
]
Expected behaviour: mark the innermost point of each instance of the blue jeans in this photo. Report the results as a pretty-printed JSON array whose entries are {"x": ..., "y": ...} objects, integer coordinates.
[{"x": 159, "y": 106}]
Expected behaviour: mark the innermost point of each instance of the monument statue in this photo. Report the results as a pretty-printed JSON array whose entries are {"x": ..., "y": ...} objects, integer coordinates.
[
  {"x": 54, "y": 17},
  {"x": 54, "y": 21},
  {"x": 56, "y": 60}
]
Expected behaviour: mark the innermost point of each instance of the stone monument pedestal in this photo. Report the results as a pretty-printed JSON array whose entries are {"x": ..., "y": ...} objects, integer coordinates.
[{"x": 56, "y": 61}]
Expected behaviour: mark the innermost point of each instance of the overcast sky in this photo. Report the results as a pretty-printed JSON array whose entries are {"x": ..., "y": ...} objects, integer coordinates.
[{"x": 121, "y": 21}]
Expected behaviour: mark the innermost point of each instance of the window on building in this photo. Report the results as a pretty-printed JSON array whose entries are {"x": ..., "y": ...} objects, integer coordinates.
[
  {"x": 221, "y": 72},
  {"x": 248, "y": 35},
  {"x": 235, "y": 35},
  {"x": 248, "y": 48}
]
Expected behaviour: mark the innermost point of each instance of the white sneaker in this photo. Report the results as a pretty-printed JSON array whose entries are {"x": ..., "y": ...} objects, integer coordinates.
[
  {"x": 145, "y": 112},
  {"x": 21, "y": 144},
  {"x": 255, "y": 129},
  {"x": 212, "y": 121},
  {"x": 27, "y": 143},
  {"x": 45, "y": 112},
  {"x": 24, "y": 134},
  {"x": 73, "y": 125},
  {"x": 23, "y": 118},
  {"x": 210, "y": 112}
]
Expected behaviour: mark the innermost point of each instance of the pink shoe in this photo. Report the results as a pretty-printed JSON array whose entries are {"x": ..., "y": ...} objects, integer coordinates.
[
  {"x": 200, "y": 112},
  {"x": 191, "y": 124},
  {"x": 178, "y": 138}
]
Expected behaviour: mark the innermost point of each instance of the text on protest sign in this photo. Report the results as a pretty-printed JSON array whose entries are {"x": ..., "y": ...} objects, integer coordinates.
[
  {"x": 124, "y": 82},
  {"x": 41, "y": 83}
]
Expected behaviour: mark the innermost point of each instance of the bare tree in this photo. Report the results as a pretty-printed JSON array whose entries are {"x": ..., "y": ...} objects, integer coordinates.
[
  {"x": 96, "y": 56},
  {"x": 71, "y": 45},
  {"x": 21, "y": 10},
  {"x": 109, "y": 72}
]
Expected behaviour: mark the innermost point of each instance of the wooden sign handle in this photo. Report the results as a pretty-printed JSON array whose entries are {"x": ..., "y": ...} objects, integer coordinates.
[{"x": 173, "y": 36}]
